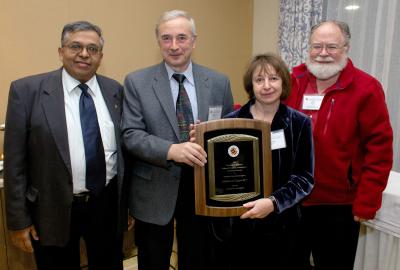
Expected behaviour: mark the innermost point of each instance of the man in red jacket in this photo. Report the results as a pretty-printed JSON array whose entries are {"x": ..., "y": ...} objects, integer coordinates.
[{"x": 353, "y": 147}]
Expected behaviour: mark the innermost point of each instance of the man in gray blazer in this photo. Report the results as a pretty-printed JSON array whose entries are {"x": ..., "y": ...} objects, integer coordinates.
[
  {"x": 63, "y": 167},
  {"x": 161, "y": 187}
]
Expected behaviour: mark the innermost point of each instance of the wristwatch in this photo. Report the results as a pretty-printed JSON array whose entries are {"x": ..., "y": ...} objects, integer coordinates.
[{"x": 272, "y": 198}]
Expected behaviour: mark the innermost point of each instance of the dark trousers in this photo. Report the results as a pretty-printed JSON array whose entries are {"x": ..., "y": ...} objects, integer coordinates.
[
  {"x": 96, "y": 222},
  {"x": 330, "y": 234},
  {"x": 155, "y": 242},
  {"x": 251, "y": 244}
]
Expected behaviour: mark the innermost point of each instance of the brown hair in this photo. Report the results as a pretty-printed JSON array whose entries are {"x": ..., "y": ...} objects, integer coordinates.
[{"x": 265, "y": 60}]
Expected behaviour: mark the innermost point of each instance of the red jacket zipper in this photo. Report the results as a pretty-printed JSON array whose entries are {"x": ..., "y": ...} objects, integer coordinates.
[{"x": 329, "y": 116}]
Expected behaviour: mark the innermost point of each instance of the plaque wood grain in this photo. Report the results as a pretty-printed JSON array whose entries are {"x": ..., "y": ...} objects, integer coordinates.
[{"x": 201, "y": 206}]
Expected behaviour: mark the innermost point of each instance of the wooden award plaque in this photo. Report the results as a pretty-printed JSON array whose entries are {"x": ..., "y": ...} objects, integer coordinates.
[{"x": 238, "y": 168}]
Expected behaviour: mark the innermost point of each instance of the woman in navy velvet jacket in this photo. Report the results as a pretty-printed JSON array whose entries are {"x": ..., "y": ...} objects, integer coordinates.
[{"x": 264, "y": 235}]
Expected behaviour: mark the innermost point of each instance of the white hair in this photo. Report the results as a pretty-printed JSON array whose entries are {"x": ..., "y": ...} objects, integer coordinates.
[
  {"x": 326, "y": 70},
  {"x": 173, "y": 14}
]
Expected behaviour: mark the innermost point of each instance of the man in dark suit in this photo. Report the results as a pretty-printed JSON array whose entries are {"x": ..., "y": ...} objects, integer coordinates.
[
  {"x": 63, "y": 166},
  {"x": 156, "y": 137}
]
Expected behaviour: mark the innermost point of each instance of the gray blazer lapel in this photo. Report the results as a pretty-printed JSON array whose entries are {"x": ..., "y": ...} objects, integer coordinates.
[
  {"x": 54, "y": 110},
  {"x": 162, "y": 90},
  {"x": 202, "y": 92}
]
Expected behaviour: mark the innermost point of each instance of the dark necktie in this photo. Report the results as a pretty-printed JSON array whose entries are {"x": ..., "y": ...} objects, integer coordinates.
[
  {"x": 94, "y": 151},
  {"x": 183, "y": 109}
]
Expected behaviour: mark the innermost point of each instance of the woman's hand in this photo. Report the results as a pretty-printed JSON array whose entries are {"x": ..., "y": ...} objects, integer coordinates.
[{"x": 258, "y": 209}]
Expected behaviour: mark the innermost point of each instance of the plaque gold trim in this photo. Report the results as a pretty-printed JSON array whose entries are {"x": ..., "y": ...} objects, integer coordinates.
[
  {"x": 211, "y": 171},
  {"x": 262, "y": 172}
]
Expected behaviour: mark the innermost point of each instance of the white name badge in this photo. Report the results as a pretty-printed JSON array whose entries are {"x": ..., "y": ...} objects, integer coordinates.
[
  {"x": 214, "y": 113},
  {"x": 278, "y": 139},
  {"x": 312, "y": 102}
]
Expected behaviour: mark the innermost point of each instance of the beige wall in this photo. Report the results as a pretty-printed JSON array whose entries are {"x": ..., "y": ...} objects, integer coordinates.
[
  {"x": 265, "y": 26},
  {"x": 31, "y": 35},
  {"x": 227, "y": 39}
]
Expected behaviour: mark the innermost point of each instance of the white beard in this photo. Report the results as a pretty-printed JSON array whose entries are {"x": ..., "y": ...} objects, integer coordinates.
[{"x": 325, "y": 71}]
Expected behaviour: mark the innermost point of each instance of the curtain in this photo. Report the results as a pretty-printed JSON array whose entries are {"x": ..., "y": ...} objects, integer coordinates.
[
  {"x": 375, "y": 48},
  {"x": 296, "y": 19}
]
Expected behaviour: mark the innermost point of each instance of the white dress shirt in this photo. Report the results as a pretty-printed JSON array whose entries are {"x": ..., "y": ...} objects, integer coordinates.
[
  {"x": 189, "y": 87},
  {"x": 72, "y": 94}
]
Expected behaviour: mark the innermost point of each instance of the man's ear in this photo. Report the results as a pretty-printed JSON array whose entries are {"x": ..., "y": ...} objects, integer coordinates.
[
  {"x": 348, "y": 48},
  {"x": 61, "y": 53}
]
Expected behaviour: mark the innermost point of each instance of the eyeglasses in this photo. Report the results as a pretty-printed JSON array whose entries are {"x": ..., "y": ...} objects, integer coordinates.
[
  {"x": 179, "y": 38},
  {"x": 78, "y": 48},
  {"x": 330, "y": 48}
]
